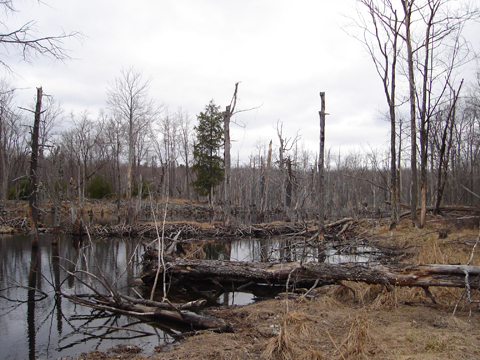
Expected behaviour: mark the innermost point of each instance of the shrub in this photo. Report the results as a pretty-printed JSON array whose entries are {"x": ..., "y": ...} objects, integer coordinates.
[
  {"x": 99, "y": 188},
  {"x": 19, "y": 191},
  {"x": 146, "y": 185}
]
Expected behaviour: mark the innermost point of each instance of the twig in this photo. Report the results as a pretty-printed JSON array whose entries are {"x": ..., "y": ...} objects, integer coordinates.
[
  {"x": 106, "y": 284},
  {"x": 286, "y": 286},
  {"x": 334, "y": 344},
  {"x": 313, "y": 287},
  {"x": 119, "y": 328},
  {"x": 467, "y": 292},
  {"x": 473, "y": 250},
  {"x": 161, "y": 245},
  {"x": 470, "y": 191},
  {"x": 127, "y": 266},
  {"x": 469, "y": 296}
]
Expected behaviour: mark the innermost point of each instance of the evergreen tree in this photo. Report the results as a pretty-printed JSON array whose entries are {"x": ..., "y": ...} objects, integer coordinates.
[{"x": 208, "y": 165}]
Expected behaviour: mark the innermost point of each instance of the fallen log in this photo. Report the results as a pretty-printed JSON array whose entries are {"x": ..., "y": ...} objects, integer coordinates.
[
  {"x": 213, "y": 272},
  {"x": 157, "y": 312}
]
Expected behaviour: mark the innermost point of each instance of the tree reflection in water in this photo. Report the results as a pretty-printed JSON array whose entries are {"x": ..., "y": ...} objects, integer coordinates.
[{"x": 30, "y": 282}]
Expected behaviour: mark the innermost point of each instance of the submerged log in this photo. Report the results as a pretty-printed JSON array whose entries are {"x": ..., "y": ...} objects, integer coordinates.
[{"x": 215, "y": 272}]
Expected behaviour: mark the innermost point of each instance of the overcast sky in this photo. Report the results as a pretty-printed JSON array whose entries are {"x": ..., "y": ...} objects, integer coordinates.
[{"x": 282, "y": 52}]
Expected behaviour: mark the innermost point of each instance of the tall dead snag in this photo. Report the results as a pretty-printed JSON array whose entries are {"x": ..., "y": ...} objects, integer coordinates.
[
  {"x": 227, "y": 156},
  {"x": 33, "y": 187},
  {"x": 227, "y": 163},
  {"x": 266, "y": 173},
  {"x": 285, "y": 167},
  {"x": 321, "y": 165},
  {"x": 408, "y": 10}
]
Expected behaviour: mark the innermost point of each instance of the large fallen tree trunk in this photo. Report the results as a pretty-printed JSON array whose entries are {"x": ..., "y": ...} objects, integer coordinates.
[{"x": 198, "y": 272}]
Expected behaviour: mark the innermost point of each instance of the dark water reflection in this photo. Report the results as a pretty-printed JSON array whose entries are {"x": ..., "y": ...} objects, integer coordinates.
[{"x": 36, "y": 323}]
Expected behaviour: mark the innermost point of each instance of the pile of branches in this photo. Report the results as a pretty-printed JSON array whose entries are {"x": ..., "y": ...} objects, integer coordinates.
[
  {"x": 114, "y": 302},
  {"x": 196, "y": 231},
  {"x": 149, "y": 310},
  {"x": 14, "y": 225}
]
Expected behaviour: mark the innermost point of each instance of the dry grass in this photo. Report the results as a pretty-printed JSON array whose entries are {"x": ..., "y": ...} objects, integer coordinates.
[
  {"x": 356, "y": 320},
  {"x": 359, "y": 339}
]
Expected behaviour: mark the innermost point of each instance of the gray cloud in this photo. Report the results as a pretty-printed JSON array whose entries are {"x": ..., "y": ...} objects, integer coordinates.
[{"x": 284, "y": 53}]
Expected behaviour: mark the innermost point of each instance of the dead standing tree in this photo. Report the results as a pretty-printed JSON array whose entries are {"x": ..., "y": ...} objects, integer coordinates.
[
  {"x": 227, "y": 116},
  {"x": 321, "y": 165},
  {"x": 381, "y": 32},
  {"x": 285, "y": 166},
  {"x": 130, "y": 103},
  {"x": 229, "y": 111},
  {"x": 33, "y": 187}
]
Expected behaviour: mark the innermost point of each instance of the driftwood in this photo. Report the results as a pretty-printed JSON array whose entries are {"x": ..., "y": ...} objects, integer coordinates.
[
  {"x": 151, "y": 310},
  {"x": 239, "y": 273}
]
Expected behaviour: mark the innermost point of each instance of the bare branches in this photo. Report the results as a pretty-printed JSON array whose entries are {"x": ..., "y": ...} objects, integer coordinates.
[{"x": 29, "y": 45}]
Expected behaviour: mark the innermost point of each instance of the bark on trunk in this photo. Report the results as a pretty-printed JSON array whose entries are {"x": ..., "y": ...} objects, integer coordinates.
[
  {"x": 321, "y": 160},
  {"x": 239, "y": 273},
  {"x": 407, "y": 7},
  {"x": 32, "y": 197},
  {"x": 227, "y": 201}
]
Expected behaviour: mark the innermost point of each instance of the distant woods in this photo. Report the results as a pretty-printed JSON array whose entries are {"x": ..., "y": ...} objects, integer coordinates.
[
  {"x": 138, "y": 148},
  {"x": 90, "y": 159}
]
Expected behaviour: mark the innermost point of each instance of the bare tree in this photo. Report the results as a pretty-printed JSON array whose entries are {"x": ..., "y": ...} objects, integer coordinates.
[
  {"x": 285, "y": 165},
  {"x": 27, "y": 43},
  {"x": 408, "y": 9},
  {"x": 439, "y": 53},
  {"x": 129, "y": 102},
  {"x": 10, "y": 135},
  {"x": 82, "y": 144},
  {"x": 113, "y": 146},
  {"x": 381, "y": 40},
  {"x": 186, "y": 141},
  {"x": 169, "y": 128},
  {"x": 33, "y": 176},
  {"x": 431, "y": 30}
]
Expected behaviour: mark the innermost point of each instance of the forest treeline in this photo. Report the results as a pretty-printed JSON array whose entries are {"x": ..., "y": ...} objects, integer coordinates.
[
  {"x": 89, "y": 158},
  {"x": 137, "y": 147}
]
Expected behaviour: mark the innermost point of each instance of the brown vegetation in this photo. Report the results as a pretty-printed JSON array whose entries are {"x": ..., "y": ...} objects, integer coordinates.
[{"x": 353, "y": 320}]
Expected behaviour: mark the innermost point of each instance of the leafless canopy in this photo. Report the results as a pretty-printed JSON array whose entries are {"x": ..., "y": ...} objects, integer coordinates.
[{"x": 26, "y": 42}]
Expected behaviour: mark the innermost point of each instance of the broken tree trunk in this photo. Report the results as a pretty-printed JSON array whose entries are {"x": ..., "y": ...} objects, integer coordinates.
[{"x": 206, "y": 272}]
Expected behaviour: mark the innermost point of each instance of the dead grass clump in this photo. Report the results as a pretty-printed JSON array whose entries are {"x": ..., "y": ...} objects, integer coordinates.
[
  {"x": 326, "y": 302},
  {"x": 255, "y": 316},
  {"x": 292, "y": 339},
  {"x": 299, "y": 322},
  {"x": 280, "y": 346},
  {"x": 430, "y": 252},
  {"x": 358, "y": 292},
  {"x": 359, "y": 341},
  {"x": 386, "y": 300},
  {"x": 311, "y": 354},
  {"x": 344, "y": 292}
]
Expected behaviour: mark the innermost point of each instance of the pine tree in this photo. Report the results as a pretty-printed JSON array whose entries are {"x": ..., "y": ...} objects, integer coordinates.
[{"x": 208, "y": 165}]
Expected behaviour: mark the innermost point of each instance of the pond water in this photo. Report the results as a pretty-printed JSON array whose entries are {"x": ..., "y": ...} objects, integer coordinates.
[{"x": 38, "y": 324}]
